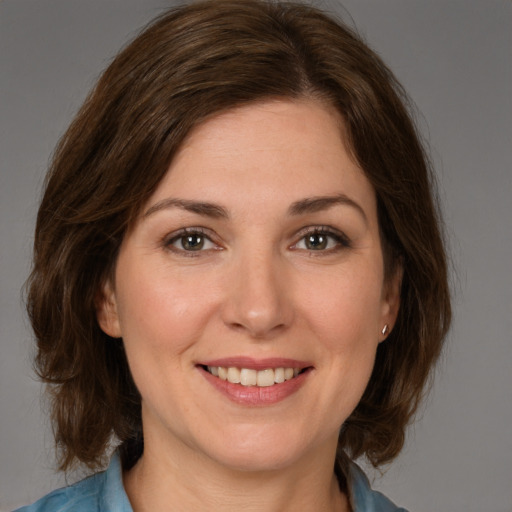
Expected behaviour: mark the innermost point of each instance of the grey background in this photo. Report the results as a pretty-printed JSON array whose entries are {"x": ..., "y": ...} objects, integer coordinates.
[{"x": 455, "y": 59}]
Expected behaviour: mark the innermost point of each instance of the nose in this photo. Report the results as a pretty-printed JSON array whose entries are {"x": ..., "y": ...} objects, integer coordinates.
[{"x": 258, "y": 296}]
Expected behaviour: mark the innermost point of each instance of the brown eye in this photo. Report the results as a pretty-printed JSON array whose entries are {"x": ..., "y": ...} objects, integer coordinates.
[
  {"x": 316, "y": 241},
  {"x": 192, "y": 242},
  {"x": 322, "y": 240}
]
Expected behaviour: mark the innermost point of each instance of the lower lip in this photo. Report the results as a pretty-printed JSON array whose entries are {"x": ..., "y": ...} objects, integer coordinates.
[{"x": 254, "y": 395}]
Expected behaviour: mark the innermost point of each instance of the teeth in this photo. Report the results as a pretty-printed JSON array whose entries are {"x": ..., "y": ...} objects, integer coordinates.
[
  {"x": 279, "y": 375},
  {"x": 234, "y": 375},
  {"x": 265, "y": 378},
  {"x": 288, "y": 373},
  {"x": 249, "y": 377}
]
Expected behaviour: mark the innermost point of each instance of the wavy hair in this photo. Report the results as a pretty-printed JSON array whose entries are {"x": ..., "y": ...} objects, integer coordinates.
[{"x": 189, "y": 64}]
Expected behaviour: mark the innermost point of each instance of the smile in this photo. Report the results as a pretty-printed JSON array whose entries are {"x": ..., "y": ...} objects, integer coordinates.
[
  {"x": 251, "y": 377},
  {"x": 256, "y": 382}
]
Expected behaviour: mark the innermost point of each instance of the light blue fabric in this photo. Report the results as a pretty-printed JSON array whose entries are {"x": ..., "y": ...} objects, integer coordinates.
[
  {"x": 363, "y": 498},
  {"x": 104, "y": 492}
]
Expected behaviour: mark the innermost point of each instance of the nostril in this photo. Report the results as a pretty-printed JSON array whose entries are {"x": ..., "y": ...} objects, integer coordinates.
[{"x": 257, "y": 329}]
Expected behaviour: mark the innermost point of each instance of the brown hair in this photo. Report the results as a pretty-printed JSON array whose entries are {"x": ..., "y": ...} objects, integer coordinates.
[{"x": 191, "y": 63}]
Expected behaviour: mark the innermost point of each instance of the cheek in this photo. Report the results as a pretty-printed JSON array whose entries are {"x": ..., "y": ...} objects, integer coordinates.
[
  {"x": 161, "y": 318},
  {"x": 346, "y": 306},
  {"x": 345, "y": 319},
  {"x": 159, "y": 310}
]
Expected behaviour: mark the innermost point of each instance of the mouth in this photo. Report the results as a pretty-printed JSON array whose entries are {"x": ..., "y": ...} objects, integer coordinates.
[{"x": 250, "y": 377}]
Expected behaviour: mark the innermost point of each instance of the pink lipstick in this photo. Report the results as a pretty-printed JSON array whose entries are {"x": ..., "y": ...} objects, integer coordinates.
[{"x": 256, "y": 382}]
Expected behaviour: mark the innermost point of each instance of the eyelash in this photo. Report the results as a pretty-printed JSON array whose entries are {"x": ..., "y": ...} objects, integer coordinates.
[
  {"x": 188, "y": 232},
  {"x": 341, "y": 240}
]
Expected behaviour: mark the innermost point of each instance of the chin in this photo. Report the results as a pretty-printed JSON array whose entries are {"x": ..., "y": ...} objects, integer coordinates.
[
  {"x": 256, "y": 461},
  {"x": 262, "y": 451}
]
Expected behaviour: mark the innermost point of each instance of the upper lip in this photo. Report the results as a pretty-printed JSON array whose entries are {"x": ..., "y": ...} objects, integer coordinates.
[{"x": 256, "y": 364}]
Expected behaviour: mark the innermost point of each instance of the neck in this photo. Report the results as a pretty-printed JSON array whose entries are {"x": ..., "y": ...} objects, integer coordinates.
[{"x": 183, "y": 480}]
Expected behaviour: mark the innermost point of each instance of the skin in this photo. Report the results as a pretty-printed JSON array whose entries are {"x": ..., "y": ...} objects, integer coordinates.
[{"x": 255, "y": 288}]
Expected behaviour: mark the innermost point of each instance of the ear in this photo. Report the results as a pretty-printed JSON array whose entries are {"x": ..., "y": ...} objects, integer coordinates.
[
  {"x": 106, "y": 311},
  {"x": 391, "y": 302}
]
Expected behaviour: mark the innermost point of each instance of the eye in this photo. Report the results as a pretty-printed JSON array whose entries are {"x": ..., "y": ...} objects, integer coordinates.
[
  {"x": 190, "y": 240},
  {"x": 322, "y": 239}
]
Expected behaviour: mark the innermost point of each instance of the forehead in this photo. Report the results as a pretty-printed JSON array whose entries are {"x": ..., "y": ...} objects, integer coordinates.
[{"x": 274, "y": 150}]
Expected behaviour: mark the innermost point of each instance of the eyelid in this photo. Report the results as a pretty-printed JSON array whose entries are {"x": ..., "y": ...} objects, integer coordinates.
[
  {"x": 170, "y": 238},
  {"x": 342, "y": 239}
]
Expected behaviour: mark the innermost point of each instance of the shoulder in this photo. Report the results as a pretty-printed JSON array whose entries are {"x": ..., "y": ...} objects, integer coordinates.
[
  {"x": 79, "y": 497},
  {"x": 363, "y": 498},
  {"x": 102, "y": 492}
]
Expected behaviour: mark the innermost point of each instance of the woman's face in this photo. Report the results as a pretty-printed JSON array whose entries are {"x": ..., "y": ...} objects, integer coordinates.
[{"x": 257, "y": 255}]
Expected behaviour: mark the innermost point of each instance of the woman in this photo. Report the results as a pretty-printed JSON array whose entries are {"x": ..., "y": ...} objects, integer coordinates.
[{"x": 239, "y": 279}]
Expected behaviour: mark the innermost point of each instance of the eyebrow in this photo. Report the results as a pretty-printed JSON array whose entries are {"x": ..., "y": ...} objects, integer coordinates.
[
  {"x": 202, "y": 208},
  {"x": 301, "y": 207},
  {"x": 317, "y": 204}
]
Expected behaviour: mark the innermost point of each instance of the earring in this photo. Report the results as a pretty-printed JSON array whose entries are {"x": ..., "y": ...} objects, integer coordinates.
[{"x": 385, "y": 330}]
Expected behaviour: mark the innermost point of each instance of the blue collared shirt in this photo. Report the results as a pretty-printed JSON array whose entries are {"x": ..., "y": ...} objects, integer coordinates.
[{"x": 104, "y": 492}]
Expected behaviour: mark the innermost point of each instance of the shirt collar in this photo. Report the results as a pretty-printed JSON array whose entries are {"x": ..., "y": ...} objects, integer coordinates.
[{"x": 362, "y": 497}]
